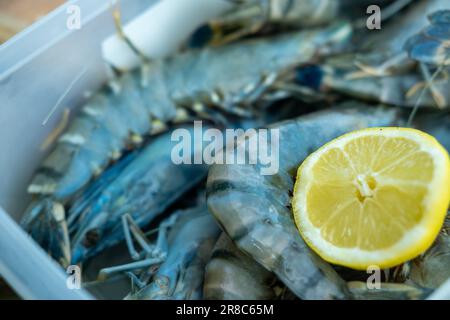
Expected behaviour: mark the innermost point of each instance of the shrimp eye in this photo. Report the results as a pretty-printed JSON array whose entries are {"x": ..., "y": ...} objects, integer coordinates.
[
  {"x": 201, "y": 37},
  {"x": 309, "y": 76},
  {"x": 91, "y": 238}
]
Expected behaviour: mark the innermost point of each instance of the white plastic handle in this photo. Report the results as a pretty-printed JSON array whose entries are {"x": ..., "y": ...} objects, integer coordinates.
[{"x": 161, "y": 29}]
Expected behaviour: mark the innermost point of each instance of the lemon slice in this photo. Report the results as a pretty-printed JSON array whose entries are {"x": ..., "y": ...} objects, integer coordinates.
[{"x": 376, "y": 196}]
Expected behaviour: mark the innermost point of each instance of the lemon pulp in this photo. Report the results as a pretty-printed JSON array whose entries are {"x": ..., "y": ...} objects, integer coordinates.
[{"x": 373, "y": 197}]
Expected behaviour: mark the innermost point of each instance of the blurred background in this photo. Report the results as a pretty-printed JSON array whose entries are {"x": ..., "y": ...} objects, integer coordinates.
[{"x": 16, "y": 15}]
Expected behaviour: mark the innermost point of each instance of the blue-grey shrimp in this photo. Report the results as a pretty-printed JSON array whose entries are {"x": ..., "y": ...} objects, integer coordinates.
[
  {"x": 226, "y": 79},
  {"x": 254, "y": 209},
  {"x": 143, "y": 189},
  {"x": 342, "y": 75},
  {"x": 146, "y": 100},
  {"x": 141, "y": 185},
  {"x": 232, "y": 275},
  {"x": 384, "y": 73},
  {"x": 190, "y": 244},
  {"x": 255, "y": 16},
  {"x": 248, "y": 17}
]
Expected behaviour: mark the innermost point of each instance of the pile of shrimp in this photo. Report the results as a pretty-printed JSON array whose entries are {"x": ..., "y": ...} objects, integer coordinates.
[{"x": 110, "y": 199}]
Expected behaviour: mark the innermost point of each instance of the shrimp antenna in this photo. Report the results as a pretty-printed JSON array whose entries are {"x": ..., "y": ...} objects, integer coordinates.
[
  {"x": 428, "y": 84},
  {"x": 121, "y": 32}
]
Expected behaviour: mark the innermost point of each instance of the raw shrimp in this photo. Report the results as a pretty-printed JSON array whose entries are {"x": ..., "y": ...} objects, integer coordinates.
[
  {"x": 255, "y": 209},
  {"x": 232, "y": 275},
  {"x": 228, "y": 79}
]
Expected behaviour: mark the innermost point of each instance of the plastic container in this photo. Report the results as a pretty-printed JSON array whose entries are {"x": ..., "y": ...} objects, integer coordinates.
[
  {"x": 37, "y": 68},
  {"x": 51, "y": 64}
]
